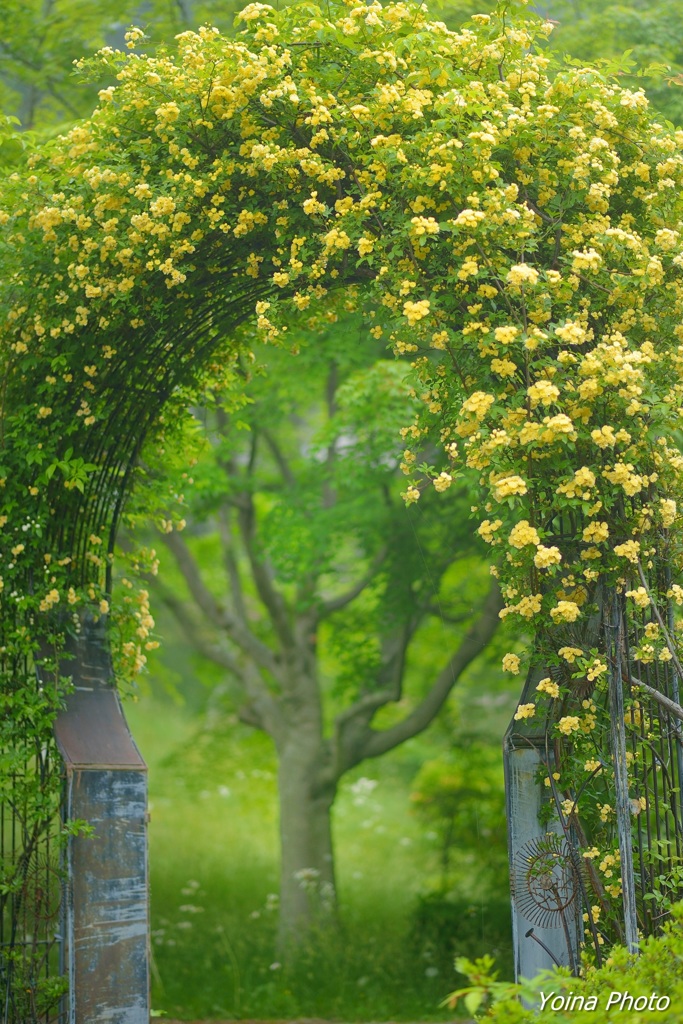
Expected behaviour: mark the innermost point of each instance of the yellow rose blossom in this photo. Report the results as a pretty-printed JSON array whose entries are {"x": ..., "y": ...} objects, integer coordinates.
[
  {"x": 511, "y": 664},
  {"x": 503, "y": 367},
  {"x": 542, "y": 393},
  {"x": 639, "y": 597},
  {"x": 565, "y": 611},
  {"x": 443, "y": 481},
  {"x": 478, "y": 404},
  {"x": 596, "y": 532},
  {"x": 506, "y": 335},
  {"x": 522, "y": 534},
  {"x": 521, "y": 275},
  {"x": 580, "y": 484},
  {"x": 547, "y": 556},
  {"x": 668, "y": 511},
  {"x": 596, "y": 669},
  {"x": 415, "y": 311},
  {"x": 487, "y": 529},
  {"x": 569, "y": 724},
  {"x": 527, "y": 607},
  {"x": 570, "y": 654},
  {"x": 604, "y": 437},
  {"x": 49, "y": 601},
  {"x": 548, "y": 686},
  {"x": 525, "y": 711},
  {"x": 630, "y": 549},
  {"x": 622, "y": 473},
  {"x": 508, "y": 486}
]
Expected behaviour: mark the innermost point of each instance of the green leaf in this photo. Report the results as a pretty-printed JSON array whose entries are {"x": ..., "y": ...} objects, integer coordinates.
[{"x": 473, "y": 1000}]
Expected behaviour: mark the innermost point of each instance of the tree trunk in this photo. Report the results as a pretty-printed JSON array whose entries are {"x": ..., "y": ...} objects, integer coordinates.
[{"x": 307, "y": 882}]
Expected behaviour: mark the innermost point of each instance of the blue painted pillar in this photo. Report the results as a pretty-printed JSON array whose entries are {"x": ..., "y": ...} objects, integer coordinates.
[
  {"x": 106, "y": 940},
  {"x": 539, "y": 941}
]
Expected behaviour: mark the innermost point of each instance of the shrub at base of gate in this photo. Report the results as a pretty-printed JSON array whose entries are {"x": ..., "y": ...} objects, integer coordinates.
[{"x": 643, "y": 989}]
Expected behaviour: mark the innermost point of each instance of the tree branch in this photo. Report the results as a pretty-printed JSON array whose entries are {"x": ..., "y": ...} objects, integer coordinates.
[
  {"x": 230, "y": 563},
  {"x": 670, "y": 705},
  {"x": 269, "y": 594},
  {"x": 195, "y": 636},
  {"x": 449, "y": 619},
  {"x": 219, "y": 617},
  {"x": 352, "y": 726},
  {"x": 278, "y": 455},
  {"x": 192, "y": 576},
  {"x": 379, "y": 742},
  {"x": 335, "y": 604},
  {"x": 261, "y": 709}
]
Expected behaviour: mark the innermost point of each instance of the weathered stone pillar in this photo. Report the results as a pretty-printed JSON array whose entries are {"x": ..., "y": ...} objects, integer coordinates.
[
  {"x": 540, "y": 938},
  {"x": 106, "y": 913}
]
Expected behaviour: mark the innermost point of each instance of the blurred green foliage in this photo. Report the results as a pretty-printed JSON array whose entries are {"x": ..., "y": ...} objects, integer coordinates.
[
  {"x": 648, "y": 32},
  {"x": 647, "y": 988},
  {"x": 40, "y": 40},
  {"x": 213, "y": 836}
]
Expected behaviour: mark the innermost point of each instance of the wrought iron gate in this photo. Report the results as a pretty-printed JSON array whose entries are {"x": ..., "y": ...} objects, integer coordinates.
[
  {"x": 596, "y": 849},
  {"x": 74, "y": 922}
]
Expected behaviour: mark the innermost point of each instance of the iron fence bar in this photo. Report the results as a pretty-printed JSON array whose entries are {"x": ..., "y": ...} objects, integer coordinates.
[
  {"x": 676, "y": 696},
  {"x": 615, "y": 645}
]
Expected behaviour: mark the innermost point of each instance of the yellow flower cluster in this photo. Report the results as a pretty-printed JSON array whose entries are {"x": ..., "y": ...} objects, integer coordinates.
[
  {"x": 527, "y": 607},
  {"x": 565, "y": 611},
  {"x": 521, "y": 274},
  {"x": 639, "y": 597},
  {"x": 511, "y": 663},
  {"x": 580, "y": 485},
  {"x": 487, "y": 531},
  {"x": 548, "y": 686},
  {"x": 596, "y": 533},
  {"x": 49, "y": 601},
  {"x": 547, "y": 556},
  {"x": 570, "y": 654},
  {"x": 507, "y": 486},
  {"x": 569, "y": 724},
  {"x": 543, "y": 392},
  {"x": 415, "y": 311},
  {"x": 523, "y": 534}
]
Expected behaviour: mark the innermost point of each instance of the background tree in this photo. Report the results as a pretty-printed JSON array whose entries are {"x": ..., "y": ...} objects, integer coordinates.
[
  {"x": 315, "y": 584},
  {"x": 650, "y": 31},
  {"x": 40, "y": 40}
]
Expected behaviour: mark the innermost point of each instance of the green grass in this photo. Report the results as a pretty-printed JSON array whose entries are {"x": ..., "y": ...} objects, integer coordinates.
[{"x": 213, "y": 855}]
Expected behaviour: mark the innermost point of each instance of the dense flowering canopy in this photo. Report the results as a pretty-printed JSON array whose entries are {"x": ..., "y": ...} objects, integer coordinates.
[{"x": 518, "y": 233}]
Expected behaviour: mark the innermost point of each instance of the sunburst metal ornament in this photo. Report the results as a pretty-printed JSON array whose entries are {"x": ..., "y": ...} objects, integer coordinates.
[
  {"x": 544, "y": 883},
  {"x": 41, "y": 891}
]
